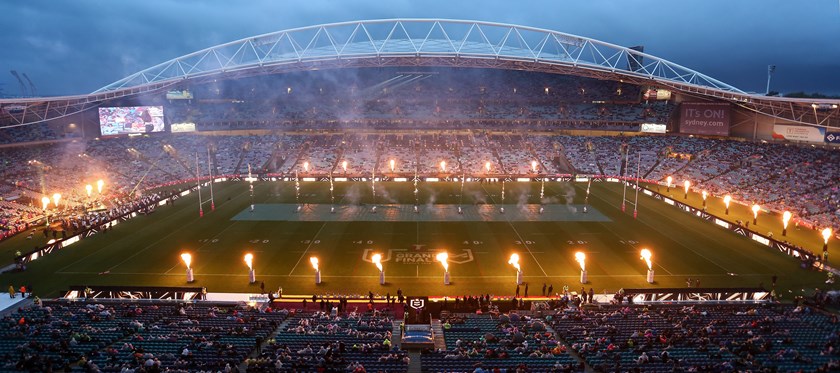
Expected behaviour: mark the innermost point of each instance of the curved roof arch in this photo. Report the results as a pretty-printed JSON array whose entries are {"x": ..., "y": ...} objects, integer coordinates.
[
  {"x": 420, "y": 43},
  {"x": 473, "y": 43}
]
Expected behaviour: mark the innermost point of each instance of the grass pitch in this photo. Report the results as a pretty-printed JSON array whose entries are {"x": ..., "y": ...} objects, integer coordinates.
[{"x": 145, "y": 250}]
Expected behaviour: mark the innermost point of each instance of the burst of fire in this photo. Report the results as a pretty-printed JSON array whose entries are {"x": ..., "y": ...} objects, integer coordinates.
[
  {"x": 89, "y": 189},
  {"x": 187, "y": 258},
  {"x": 377, "y": 259},
  {"x": 56, "y": 199},
  {"x": 442, "y": 258},
  {"x": 249, "y": 260},
  {"x": 534, "y": 166},
  {"x": 581, "y": 258},
  {"x": 705, "y": 194},
  {"x": 786, "y": 218},
  {"x": 826, "y": 233},
  {"x": 487, "y": 166},
  {"x": 514, "y": 261},
  {"x": 726, "y": 199},
  {"x": 344, "y": 165},
  {"x": 755, "y": 209},
  {"x": 306, "y": 166},
  {"x": 392, "y": 165},
  {"x": 45, "y": 201},
  {"x": 646, "y": 258},
  {"x": 314, "y": 262},
  {"x": 99, "y": 184},
  {"x": 443, "y": 166},
  {"x": 669, "y": 180},
  {"x": 687, "y": 184}
]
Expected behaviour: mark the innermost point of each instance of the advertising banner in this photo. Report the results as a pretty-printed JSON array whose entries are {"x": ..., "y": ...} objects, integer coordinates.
[
  {"x": 832, "y": 137},
  {"x": 799, "y": 133},
  {"x": 705, "y": 118},
  {"x": 653, "y": 128}
]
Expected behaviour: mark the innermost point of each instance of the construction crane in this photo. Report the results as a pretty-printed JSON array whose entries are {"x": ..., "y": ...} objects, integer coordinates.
[{"x": 20, "y": 81}]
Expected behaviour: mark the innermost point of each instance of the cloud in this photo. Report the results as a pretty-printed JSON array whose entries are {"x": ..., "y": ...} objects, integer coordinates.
[{"x": 72, "y": 47}]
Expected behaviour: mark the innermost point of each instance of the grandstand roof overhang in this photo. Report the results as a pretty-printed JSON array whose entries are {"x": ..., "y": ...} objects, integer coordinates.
[{"x": 422, "y": 42}]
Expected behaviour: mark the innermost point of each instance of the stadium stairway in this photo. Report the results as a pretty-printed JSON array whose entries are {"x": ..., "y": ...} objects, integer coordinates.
[
  {"x": 652, "y": 168},
  {"x": 415, "y": 366},
  {"x": 396, "y": 333},
  {"x": 564, "y": 165},
  {"x": 574, "y": 355},
  {"x": 437, "y": 330},
  {"x": 243, "y": 366}
]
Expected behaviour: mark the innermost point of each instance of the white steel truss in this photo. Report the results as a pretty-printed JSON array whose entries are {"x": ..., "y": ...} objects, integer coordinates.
[
  {"x": 419, "y": 38},
  {"x": 421, "y": 42}
]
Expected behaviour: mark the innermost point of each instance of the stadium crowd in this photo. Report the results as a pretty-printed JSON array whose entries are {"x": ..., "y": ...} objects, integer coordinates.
[
  {"x": 805, "y": 180},
  {"x": 563, "y": 334}
]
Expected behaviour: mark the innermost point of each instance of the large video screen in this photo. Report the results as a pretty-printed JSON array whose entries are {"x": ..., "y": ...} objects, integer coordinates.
[
  {"x": 130, "y": 119},
  {"x": 704, "y": 118}
]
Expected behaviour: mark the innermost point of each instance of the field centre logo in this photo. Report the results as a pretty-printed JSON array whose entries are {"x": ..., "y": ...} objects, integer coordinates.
[{"x": 418, "y": 254}]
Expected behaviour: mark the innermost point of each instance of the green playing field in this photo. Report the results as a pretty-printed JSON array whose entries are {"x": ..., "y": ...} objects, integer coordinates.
[{"x": 479, "y": 240}]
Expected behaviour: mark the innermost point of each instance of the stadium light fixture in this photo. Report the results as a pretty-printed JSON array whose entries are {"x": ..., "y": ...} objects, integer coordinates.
[
  {"x": 187, "y": 258},
  {"x": 646, "y": 255},
  {"x": 249, "y": 261},
  {"x": 314, "y": 262},
  {"x": 726, "y": 199},
  {"x": 442, "y": 258},
  {"x": 686, "y": 185},
  {"x": 377, "y": 260},
  {"x": 514, "y": 261},
  {"x": 785, "y": 220},
  {"x": 755, "y": 209},
  {"x": 580, "y": 257}
]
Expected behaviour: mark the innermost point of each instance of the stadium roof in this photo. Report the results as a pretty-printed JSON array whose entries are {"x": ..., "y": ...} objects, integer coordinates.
[{"x": 420, "y": 42}]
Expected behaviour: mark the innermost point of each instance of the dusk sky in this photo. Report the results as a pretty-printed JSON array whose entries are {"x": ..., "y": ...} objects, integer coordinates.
[{"x": 76, "y": 47}]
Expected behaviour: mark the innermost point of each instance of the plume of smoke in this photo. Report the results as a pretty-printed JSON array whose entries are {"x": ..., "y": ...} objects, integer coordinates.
[
  {"x": 353, "y": 195},
  {"x": 383, "y": 195}
]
